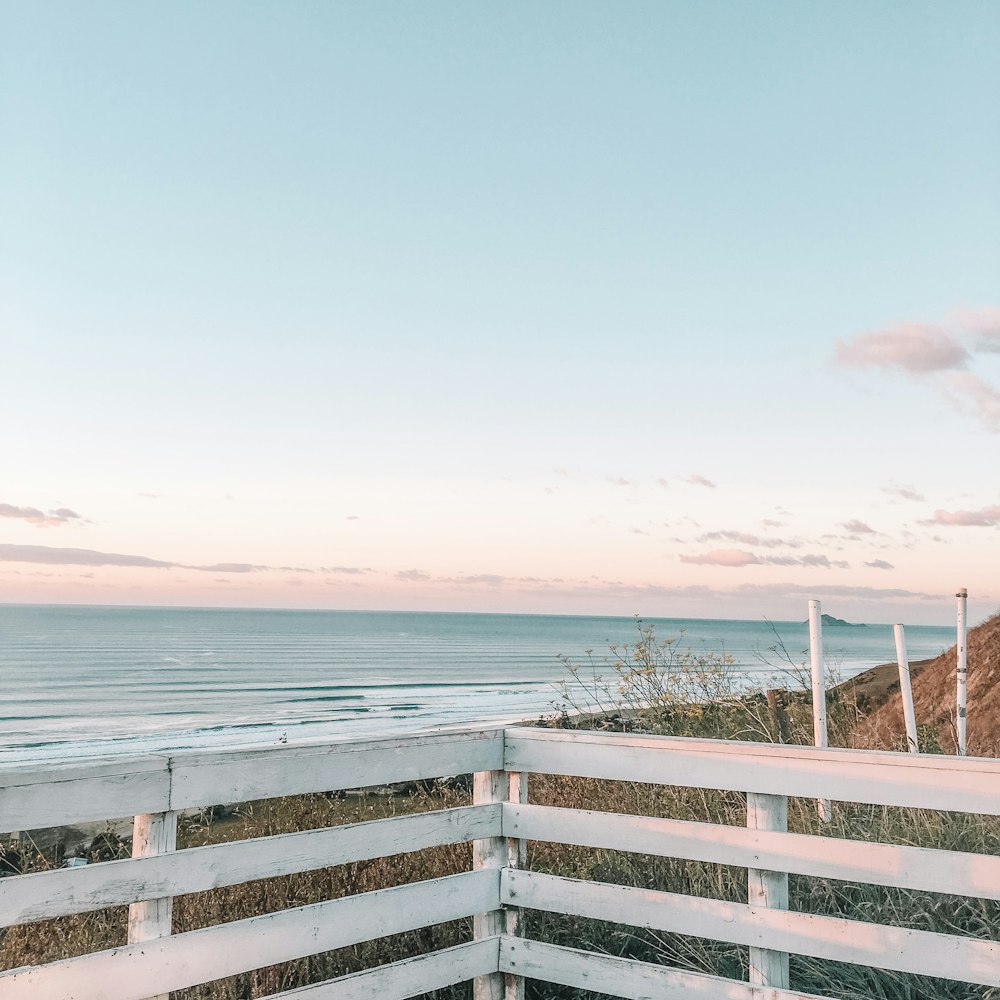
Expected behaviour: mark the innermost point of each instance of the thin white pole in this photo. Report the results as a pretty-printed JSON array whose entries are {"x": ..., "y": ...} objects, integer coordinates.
[
  {"x": 962, "y": 669},
  {"x": 818, "y": 691},
  {"x": 909, "y": 717}
]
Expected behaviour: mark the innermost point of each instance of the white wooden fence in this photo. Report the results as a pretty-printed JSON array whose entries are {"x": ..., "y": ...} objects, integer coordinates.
[{"x": 156, "y": 962}]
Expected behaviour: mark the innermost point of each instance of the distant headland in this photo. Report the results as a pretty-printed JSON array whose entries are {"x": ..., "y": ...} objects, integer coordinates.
[{"x": 830, "y": 620}]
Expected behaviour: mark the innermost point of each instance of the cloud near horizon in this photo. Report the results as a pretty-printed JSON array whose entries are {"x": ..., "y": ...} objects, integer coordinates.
[
  {"x": 41, "y": 519},
  {"x": 739, "y": 558},
  {"x": 937, "y": 356},
  {"x": 53, "y": 556}
]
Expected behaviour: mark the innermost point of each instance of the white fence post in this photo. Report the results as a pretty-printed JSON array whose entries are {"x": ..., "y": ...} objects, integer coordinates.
[
  {"x": 905, "y": 689},
  {"x": 961, "y": 670},
  {"x": 517, "y": 850},
  {"x": 767, "y": 888},
  {"x": 818, "y": 691},
  {"x": 155, "y": 833},
  {"x": 496, "y": 852}
]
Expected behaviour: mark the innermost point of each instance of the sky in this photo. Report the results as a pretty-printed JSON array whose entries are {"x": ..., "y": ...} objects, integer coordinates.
[{"x": 670, "y": 309}]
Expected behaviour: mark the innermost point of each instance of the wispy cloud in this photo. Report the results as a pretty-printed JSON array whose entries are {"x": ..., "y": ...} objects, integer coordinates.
[
  {"x": 880, "y": 564},
  {"x": 51, "y": 556},
  {"x": 834, "y": 590},
  {"x": 984, "y": 325},
  {"x": 859, "y": 528},
  {"x": 230, "y": 568},
  {"x": 985, "y": 517},
  {"x": 739, "y": 558},
  {"x": 966, "y": 390},
  {"x": 701, "y": 481},
  {"x": 39, "y": 518},
  {"x": 745, "y": 538},
  {"x": 412, "y": 576},
  {"x": 903, "y": 492},
  {"x": 733, "y": 558},
  {"x": 54, "y": 556},
  {"x": 940, "y": 355}
]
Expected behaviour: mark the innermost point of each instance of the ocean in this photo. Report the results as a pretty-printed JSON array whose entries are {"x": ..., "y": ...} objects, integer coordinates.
[{"x": 98, "y": 680}]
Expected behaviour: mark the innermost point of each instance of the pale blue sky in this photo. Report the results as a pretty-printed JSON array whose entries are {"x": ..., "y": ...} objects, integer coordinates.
[{"x": 451, "y": 270}]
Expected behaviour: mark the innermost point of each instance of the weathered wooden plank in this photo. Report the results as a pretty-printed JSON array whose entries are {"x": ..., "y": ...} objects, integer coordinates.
[
  {"x": 33, "y": 796},
  {"x": 967, "y": 960},
  {"x": 135, "y": 972},
  {"x": 207, "y": 779},
  {"x": 925, "y": 781},
  {"x": 42, "y": 895},
  {"x": 622, "y": 977},
  {"x": 918, "y": 868},
  {"x": 410, "y": 977},
  {"x": 767, "y": 888}
]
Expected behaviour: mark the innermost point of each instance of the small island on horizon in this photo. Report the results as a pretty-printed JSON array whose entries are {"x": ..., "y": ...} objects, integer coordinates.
[{"x": 830, "y": 620}]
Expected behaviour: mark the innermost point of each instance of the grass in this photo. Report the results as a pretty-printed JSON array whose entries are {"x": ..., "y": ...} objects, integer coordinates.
[{"x": 651, "y": 686}]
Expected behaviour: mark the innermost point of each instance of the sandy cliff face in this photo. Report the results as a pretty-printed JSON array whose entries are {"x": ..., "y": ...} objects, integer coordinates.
[{"x": 934, "y": 696}]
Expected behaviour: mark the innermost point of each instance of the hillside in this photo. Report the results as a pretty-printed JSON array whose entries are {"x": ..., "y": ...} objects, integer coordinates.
[{"x": 934, "y": 696}]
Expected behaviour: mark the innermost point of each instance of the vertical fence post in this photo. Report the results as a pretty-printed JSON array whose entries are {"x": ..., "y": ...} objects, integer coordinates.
[
  {"x": 905, "y": 690},
  {"x": 818, "y": 691},
  {"x": 767, "y": 889},
  {"x": 155, "y": 833},
  {"x": 961, "y": 670},
  {"x": 517, "y": 856},
  {"x": 489, "y": 787}
]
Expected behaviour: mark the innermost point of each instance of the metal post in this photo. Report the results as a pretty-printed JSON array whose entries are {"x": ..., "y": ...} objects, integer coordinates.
[
  {"x": 961, "y": 670},
  {"x": 905, "y": 690},
  {"x": 818, "y": 691}
]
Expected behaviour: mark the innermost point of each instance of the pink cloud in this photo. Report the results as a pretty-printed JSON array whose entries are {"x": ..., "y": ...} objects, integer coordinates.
[
  {"x": 984, "y": 324},
  {"x": 938, "y": 356},
  {"x": 737, "y": 558},
  {"x": 745, "y": 538},
  {"x": 914, "y": 347},
  {"x": 985, "y": 517},
  {"x": 969, "y": 391},
  {"x": 41, "y": 519},
  {"x": 701, "y": 481}
]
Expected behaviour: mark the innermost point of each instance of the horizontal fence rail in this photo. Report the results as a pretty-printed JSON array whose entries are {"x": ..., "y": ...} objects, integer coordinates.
[
  {"x": 27, "y": 898},
  {"x": 490, "y": 896},
  {"x": 173, "y": 963},
  {"x": 920, "y": 868},
  {"x": 32, "y": 797},
  {"x": 876, "y": 777},
  {"x": 948, "y": 956}
]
